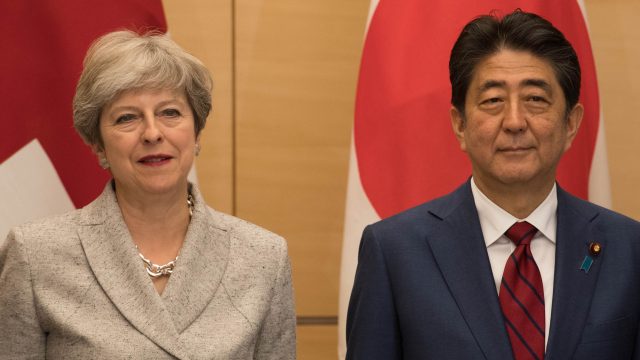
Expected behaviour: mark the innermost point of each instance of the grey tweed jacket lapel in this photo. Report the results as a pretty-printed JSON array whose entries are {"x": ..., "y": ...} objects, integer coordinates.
[
  {"x": 114, "y": 260},
  {"x": 200, "y": 267}
]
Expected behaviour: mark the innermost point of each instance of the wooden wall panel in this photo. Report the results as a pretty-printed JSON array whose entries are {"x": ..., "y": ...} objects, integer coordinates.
[
  {"x": 297, "y": 65},
  {"x": 616, "y": 46},
  {"x": 204, "y": 28},
  {"x": 317, "y": 342}
]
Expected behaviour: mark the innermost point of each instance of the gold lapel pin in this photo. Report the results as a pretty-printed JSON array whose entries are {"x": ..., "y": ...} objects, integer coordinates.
[{"x": 595, "y": 248}]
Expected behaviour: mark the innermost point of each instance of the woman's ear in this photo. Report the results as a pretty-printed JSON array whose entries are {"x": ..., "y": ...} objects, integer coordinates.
[{"x": 102, "y": 156}]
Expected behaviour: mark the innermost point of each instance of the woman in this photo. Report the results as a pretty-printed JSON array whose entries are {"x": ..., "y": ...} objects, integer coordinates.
[{"x": 147, "y": 270}]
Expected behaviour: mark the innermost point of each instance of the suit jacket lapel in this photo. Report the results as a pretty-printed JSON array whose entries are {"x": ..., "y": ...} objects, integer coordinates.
[
  {"x": 119, "y": 271},
  {"x": 200, "y": 266},
  {"x": 461, "y": 254},
  {"x": 573, "y": 288}
]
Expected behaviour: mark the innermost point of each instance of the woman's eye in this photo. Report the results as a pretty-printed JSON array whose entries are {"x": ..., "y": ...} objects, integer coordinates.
[
  {"x": 170, "y": 113},
  {"x": 125, "y": 118}
]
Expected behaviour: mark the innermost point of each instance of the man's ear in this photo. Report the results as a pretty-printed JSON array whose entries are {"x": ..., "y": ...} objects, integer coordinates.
[
  {"x": 458, "y": 125},
  {"x": 573, "y": 124}
]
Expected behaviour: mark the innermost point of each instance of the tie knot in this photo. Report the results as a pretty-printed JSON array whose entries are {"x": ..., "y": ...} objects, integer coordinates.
[{"x": 521, "y": 233}]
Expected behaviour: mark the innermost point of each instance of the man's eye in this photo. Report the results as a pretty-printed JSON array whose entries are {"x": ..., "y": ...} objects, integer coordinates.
[
  {"x": 125, "y": 118},
  {"x": 492, "y": 101},
  {"x": 535, "y": 98}
]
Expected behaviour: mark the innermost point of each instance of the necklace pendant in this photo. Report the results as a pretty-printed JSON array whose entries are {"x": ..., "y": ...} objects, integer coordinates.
[{"x": 156, "y": 270}]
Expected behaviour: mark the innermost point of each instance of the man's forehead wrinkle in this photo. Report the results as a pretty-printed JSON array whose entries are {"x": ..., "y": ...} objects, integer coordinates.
[
  {"x": 541, "y": 83},
  {"x": 490, "y": 84},
  {"x": 535, "y": 82}
]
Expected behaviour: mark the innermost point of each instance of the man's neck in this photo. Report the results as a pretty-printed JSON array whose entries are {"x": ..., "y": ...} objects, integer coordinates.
[{"x": 518, "y": 200}]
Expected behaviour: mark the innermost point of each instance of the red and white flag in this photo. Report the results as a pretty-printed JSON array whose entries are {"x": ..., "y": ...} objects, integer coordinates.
[
  {"x": 45, "y": 168},
  {"x": 404, "y": 151}
]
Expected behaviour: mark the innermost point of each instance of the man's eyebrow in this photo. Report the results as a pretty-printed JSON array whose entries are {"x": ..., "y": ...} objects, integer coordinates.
[
  {"x": 490, "y": 84},
  {"x": 543, "y": 84}
]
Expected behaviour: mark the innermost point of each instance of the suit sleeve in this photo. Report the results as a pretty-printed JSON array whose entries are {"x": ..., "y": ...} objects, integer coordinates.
[
  {"x": 372, "y": 323},
  {"x": 277, "y": 339},
  {"x": 636, "y": 351},
  {"x": 21, "y": 336}
]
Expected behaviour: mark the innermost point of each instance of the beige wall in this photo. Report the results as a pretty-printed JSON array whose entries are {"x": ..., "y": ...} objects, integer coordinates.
[
  {"x": 615, "y": 40},
  {"x": 275, "y": 151}
]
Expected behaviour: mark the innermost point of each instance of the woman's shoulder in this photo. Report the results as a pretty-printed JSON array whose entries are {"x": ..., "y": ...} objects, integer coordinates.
[
  {"x": 242, "y": 228},
  {"x": 248, "y": 235},
  {"x": 48, "y": 227},
  {"x": 46, "y": 238}
]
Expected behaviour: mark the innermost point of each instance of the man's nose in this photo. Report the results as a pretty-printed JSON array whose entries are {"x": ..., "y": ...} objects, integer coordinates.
[{"x": 515, "y": 119}]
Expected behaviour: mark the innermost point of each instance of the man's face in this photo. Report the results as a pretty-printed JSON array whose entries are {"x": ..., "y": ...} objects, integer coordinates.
[{"x": 514, "y": 128}]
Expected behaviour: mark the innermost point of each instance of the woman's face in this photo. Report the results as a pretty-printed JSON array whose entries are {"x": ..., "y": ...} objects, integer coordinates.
[{"x": 149, "y": 140}]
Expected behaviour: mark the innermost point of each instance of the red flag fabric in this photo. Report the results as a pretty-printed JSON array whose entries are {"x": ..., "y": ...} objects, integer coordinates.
[
  {"x": 43, "y": 44},
  {"x": 405, "y": 148}
]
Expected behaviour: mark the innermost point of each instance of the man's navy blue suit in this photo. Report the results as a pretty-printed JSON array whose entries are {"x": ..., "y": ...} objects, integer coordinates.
[{"x": 424, "y": 287}]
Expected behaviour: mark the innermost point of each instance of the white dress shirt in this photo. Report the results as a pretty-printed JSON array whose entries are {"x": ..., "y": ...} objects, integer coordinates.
[{"x": 495, "y": 221}]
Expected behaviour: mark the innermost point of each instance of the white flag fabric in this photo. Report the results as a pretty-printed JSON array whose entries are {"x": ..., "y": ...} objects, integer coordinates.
[
  {"x": 32, "y": 187},
  {"x": 403, "y": 150}
]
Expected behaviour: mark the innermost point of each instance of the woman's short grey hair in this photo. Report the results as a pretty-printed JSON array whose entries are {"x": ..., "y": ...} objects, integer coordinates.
[{"x": 124, "y": 60}]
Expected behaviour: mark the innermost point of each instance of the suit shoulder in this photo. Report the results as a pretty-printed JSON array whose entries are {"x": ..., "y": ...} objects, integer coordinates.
[
  {"x": 408, "y": 229},
  {"x": 605, "y": 218},
  {"x": 609, "y": 220},
  {"x": 423, "y": 214},
  {"x": 617, "y": 218}
]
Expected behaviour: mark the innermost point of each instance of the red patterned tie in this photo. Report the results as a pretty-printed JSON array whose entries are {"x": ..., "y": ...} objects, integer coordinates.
[{"x": 522, "y": 296}]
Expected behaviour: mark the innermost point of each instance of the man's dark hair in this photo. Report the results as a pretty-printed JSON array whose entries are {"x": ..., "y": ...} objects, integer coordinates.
[{"x": 520, "y": 31}]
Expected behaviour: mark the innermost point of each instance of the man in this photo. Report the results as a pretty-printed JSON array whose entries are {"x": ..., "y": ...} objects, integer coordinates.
[{"x": 509, "y": 265}]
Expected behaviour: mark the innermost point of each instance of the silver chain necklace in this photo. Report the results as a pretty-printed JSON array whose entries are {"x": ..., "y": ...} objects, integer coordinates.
[{"x": 156, "y": 270}]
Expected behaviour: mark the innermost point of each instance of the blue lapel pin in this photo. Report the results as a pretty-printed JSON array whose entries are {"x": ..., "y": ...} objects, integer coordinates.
[{"x": 586, "y": 264}]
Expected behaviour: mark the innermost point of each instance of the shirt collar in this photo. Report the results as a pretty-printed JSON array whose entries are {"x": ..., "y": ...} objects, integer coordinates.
[{"x": 495, "y": 221}]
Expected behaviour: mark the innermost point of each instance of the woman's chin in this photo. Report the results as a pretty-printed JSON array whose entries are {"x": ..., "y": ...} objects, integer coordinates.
[{"x": 156, "y": 186}]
